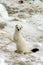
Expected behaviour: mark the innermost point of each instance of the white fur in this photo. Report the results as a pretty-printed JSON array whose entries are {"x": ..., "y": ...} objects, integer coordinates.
[{"x": 22, "y": 44}]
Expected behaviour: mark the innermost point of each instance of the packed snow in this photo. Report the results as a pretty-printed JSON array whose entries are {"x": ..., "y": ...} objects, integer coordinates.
[{"x": 29, "y": 14}]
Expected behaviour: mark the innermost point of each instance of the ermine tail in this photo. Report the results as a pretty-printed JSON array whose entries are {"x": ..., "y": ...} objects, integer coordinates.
[{"x": 35, "y": 50}]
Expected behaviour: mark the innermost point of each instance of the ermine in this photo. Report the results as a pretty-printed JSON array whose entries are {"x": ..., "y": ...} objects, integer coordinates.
[{"x": 21, "y": 43}]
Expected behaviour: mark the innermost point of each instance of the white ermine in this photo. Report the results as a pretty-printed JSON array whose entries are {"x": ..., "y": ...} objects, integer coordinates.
[{"x": 21, "y": 43}]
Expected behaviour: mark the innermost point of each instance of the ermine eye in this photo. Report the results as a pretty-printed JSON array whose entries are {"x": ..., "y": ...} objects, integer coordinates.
[{"x": 16, "y": 26}]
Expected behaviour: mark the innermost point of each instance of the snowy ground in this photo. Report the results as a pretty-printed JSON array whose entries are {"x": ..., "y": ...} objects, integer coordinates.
[{"x": 30, "y": 15}]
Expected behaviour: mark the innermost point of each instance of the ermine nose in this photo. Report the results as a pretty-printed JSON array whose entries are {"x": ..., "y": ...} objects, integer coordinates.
[{"x": 18, "y": 29}]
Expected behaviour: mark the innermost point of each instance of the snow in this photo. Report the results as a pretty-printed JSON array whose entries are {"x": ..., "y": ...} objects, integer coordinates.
[{"x": 30, "y": 16}]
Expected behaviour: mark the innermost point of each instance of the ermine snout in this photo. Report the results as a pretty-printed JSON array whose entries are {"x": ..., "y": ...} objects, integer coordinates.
[{"x": 19, "y": 27}]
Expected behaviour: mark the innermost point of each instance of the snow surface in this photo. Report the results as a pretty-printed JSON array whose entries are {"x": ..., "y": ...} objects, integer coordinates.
[{"x": 30, "y": 16}]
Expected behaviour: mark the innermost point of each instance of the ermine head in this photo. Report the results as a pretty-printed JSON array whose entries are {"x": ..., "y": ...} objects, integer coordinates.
[{"x": 18, "y": 27}]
